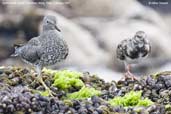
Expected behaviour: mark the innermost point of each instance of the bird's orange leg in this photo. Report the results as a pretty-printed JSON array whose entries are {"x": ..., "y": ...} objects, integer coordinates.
[{"x": 128, "y": 74}]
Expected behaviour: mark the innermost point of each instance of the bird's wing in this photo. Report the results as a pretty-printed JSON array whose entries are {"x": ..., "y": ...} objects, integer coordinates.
[
  {"x": 120, "y": 51},
  {"x": 30, "y": 53},
  {"x": 146, "y": 48},
  {"x": 34, "y": 41},
  {"x": 30, "y": 50}
]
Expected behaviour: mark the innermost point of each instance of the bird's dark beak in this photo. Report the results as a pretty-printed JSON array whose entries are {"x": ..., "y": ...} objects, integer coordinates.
[{"x": 56, "y": 27}]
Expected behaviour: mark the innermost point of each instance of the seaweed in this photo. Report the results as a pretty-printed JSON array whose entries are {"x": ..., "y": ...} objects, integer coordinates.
[
  {"x": 65, "y": 79},
  {"x": 133, "y": 98},
  {"x": 83, "y": 93}
]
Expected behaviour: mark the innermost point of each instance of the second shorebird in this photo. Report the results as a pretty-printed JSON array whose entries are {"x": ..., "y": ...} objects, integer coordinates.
[
  {"x": 46, "y": 49},
  {"x": 133, "y": 50}
]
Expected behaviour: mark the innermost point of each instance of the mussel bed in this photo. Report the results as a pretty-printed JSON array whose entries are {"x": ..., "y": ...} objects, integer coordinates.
[{"x": 18, "y": 96}]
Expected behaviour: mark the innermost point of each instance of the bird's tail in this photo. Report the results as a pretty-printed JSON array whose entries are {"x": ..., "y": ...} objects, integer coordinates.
[{"x": 16, "y": 47}]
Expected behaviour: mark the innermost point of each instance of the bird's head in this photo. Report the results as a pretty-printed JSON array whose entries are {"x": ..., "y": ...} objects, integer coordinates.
[
  {"x": 140, "y": 36},
  {"x": 50, "y": 23}
]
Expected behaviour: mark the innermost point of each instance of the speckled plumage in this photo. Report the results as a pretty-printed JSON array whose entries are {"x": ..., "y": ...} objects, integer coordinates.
[
  {"x": 46, "y": 49},
  {"x": 131, "y": 50}
]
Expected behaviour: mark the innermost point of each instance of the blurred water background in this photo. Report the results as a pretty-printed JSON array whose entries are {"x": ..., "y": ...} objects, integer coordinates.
[{"x": 92, "y": 28}]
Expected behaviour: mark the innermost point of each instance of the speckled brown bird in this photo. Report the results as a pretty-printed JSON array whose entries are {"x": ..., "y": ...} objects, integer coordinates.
[
  {"x": 46, "y": 49},
  {"x": 131, "y": 51}
]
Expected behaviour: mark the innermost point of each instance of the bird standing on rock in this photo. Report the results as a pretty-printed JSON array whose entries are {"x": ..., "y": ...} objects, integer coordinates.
[
  {"x": 46, "y": 49},
  {"x": 131, "y": 51}
]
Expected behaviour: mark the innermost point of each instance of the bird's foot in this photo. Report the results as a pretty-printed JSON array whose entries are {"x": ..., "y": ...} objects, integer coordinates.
[
  {"x": 132, "y": 76},
  {"x": 129, "y": 75},
  {"x": 50, "y": 92}
]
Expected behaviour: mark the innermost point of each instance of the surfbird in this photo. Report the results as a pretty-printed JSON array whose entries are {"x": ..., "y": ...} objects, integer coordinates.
[
  {"x": 133, "y": 50},
  {"x": 46, "y": 49}
]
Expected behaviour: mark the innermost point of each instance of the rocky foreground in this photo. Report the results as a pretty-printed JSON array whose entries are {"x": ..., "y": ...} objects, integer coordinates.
[{"x": 82, "y": 93}]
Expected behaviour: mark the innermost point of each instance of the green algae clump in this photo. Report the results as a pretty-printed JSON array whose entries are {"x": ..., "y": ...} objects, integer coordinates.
[
  {"x": 144, "y": 102},
  {"x": 133, "y": 98},
  {"x": 66, "y": 79},
  {"x": 83, "y": 93}
]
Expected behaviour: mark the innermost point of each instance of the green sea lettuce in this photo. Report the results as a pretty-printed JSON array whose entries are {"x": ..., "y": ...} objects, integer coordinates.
[
  {"x": 83, "y": 93},
  {"x": 133, "y": 98},
  {"x": 65, "y": 79}
]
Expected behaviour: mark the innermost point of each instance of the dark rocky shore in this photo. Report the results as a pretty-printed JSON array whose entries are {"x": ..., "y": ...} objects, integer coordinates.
[{"x": 20, "y": 93}]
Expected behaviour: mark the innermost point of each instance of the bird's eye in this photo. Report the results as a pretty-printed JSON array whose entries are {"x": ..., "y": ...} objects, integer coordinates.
[{"x": 47, "y": 21}]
